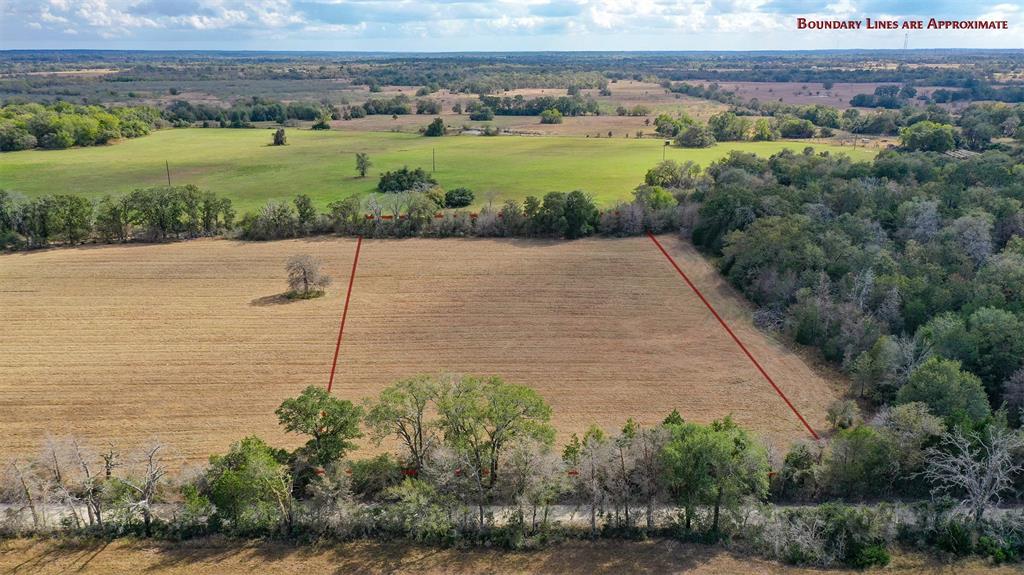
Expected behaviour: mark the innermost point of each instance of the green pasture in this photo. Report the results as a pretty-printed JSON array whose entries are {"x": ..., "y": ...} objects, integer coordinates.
[{"x": 241, "y": 165}]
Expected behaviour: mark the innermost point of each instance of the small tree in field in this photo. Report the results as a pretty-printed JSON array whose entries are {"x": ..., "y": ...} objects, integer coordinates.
[
  {"x": 305, "y": 279},
  {"x": 279, "y": 138},
  {"x": 363, "y": 163}
]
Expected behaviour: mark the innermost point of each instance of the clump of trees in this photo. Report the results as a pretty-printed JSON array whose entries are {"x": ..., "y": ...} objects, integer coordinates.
[
  {"x": 280, "y": 139},
  {"x": 151, "y": 214},
  {"x": 404, "y": 179},
  {"x": 63, "y": 125}
]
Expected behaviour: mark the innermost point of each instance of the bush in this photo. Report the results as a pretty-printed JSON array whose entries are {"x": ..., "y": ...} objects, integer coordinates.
[
  {"x": 436, "y": 128},
  {"x": 483, "y": 114},
  {"x": 695, "y": 136},
  {"x": 458, "y": 198},
  {"x": 550, "y": 117},
  {"x": 404, "y": 179}
]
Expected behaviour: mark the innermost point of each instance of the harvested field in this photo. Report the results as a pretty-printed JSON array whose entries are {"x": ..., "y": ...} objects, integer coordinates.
[
  {"x": 229, "y": 557},
  {"x": 191, "y": 342}
]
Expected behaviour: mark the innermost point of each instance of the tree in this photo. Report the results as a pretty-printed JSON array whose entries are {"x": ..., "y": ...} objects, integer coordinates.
[
  {"x": 330, "y": 422},
  {"x": 142, "y": 486},
  {"x": 908, "y": 428},
  {"x": 858, "y": 463},
  {"x": 948, "y": 391},
  {"x": 363, "y": 163},
  {"x": 436, "y": 128},
  {"x": 654, "y": 197},
  {"x": 305, "y": 213},
  {"x": 401, "y": 411},
  {"x": 250, "y": 486},
  {"x": 72, "y": 218},
  {"x": 279, "y": 137},
  {"x": 482, "y": 417},
  {"x": 763, "y": 131},
  {"x": 695, "y": 136},
  {"x": 796, "y": 128},
  {"x": 305, "y": 278},
  {"x": 928, "y": 136},
  {"x": 718, "y": 465},
  {"x": 977, "y": 466},
  {"x": 581, "y": 215},
  {"x": 673, "y": 175},
  {"x": 550, "y": 116}
]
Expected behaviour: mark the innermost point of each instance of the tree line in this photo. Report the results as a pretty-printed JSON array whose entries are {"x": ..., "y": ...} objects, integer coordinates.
[
  {"x": 63, "y": 125},
  {"x": 477, "y": 464},
  {"x": 150, "y": 214}
]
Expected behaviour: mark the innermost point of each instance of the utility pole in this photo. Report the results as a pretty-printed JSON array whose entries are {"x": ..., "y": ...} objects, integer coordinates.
[
  {"x": 433, "y": 160},
  {"x": 168, "y": 166}
]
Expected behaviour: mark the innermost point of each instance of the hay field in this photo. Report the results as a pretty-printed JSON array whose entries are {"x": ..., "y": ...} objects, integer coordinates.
[
  {"x": 234, "y": 557},
  {"x": 241, "y": 165},
  {"x": 188, "y": 341}
]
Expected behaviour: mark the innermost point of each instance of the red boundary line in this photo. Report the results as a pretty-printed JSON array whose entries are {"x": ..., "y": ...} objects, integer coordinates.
[
  {"x": 733, "y": 335},
  {"x": 344, "y": 313}
]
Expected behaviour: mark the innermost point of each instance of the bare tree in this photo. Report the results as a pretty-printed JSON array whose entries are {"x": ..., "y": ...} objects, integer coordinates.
[
  {"x": 648, "y": 468},
  {"x": 144, "y": 482},
  {"x": 305, "y": 278},
  {"x": 978, "y": 467}
]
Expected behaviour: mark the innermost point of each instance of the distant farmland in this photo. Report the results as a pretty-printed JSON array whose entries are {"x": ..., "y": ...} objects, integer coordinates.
[
  {"x": 241, "y": 165},
  {"x": 188, "y": 341}
]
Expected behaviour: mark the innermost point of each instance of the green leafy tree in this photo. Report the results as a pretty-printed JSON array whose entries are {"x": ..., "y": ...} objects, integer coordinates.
[
  {"x": 928, "y": 136},
  {"x": 435, "y": 128},
  {"x": 654, "y": 197},
  {"x": 400, "y": 411},
  {"x": 250, "y": 486},
  {"x": 72, "y": 218},
  {"x": 363, "y": 163},
  {"x": 718, "y": 465},
  {"x": 331, "y": 423},
  {"x": 482, "y": 417},
  {"x": 947, "y": 390}
]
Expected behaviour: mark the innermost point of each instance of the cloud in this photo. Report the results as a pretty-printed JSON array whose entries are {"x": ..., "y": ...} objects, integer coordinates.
[{"x": 473, "y": 24}]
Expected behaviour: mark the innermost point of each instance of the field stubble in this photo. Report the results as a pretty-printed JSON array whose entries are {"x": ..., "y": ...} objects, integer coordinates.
[{"x": 189, "y": 341}]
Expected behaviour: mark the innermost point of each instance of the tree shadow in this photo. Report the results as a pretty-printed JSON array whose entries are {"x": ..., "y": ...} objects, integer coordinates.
[{"x": 272, "y": 300}]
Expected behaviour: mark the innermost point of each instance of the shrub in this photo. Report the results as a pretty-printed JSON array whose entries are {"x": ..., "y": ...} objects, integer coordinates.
[
  {"x": 435, "y": 128},
  {"x": 458, "y": 198},
  {"x": 483, "y": 114},
  {"x": 404, "y": 179},
  {"x": 550, "y": 117}
]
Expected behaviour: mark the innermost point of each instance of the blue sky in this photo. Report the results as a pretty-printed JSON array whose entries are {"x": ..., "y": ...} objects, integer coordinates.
[{"x": 486, "y": 25}]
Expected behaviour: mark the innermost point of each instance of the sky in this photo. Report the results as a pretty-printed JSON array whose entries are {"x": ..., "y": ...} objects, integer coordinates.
[{"x": 488, "y": 25}]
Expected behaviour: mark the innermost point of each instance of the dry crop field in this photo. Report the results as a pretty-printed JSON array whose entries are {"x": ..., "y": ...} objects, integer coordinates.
[{"x": 190, "y": 341}]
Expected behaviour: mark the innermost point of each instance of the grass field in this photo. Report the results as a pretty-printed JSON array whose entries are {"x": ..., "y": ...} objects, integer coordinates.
[
  {"x": 241, "y": 165},
  {"x": 188, "y": 341},
  {"x": 235, "y": 557}
]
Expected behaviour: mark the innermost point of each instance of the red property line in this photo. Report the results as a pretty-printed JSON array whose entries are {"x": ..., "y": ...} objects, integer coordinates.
[
  {"x": 344, "y": 313},
  {"x": 733, "y": 335}
]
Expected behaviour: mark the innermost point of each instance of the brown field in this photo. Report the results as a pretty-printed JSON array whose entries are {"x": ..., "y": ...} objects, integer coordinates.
[
  {"x": 626, "y": 93},
  {"x": 191, "y": 343},
  {"x": 225, "y": 557},
  {"x": 804, "y": 92}
]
